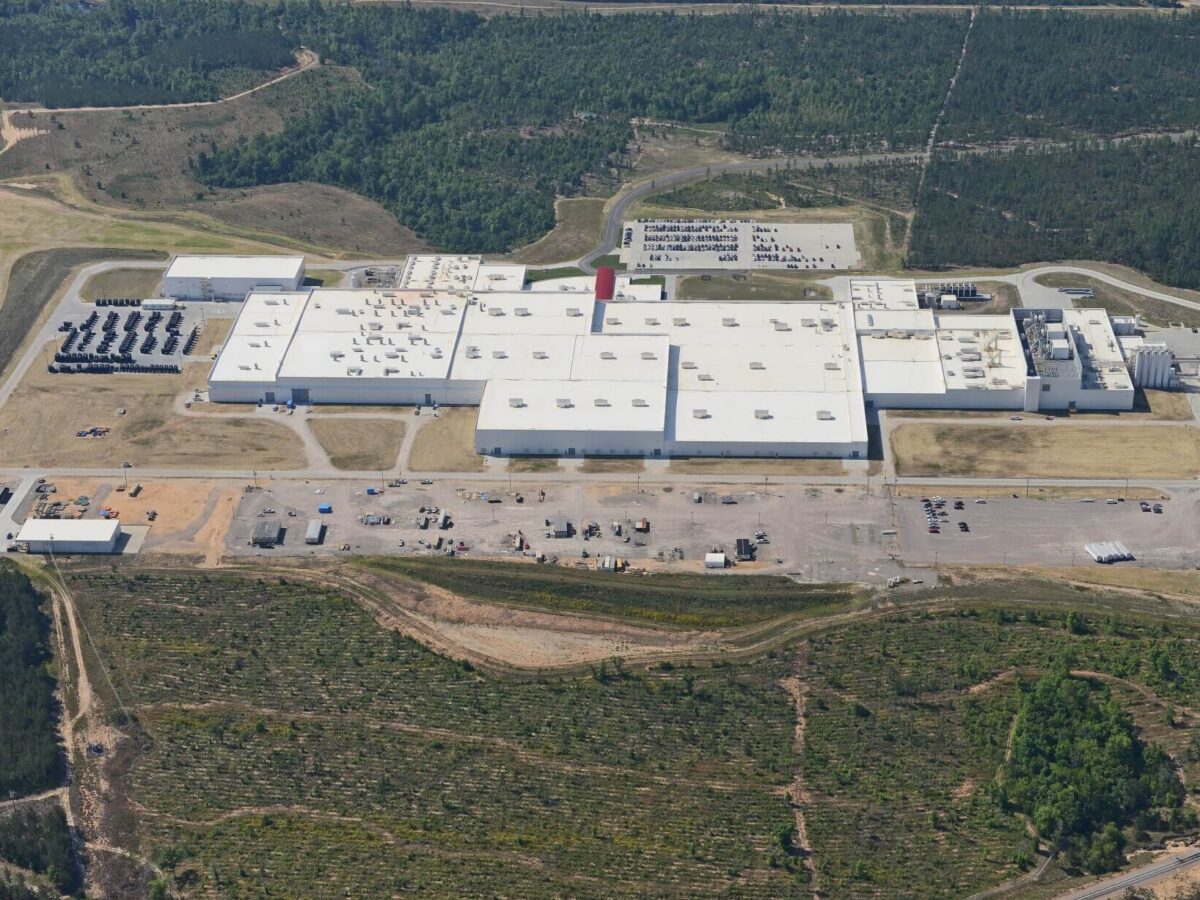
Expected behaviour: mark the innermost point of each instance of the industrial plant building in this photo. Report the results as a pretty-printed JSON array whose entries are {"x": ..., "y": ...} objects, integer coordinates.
[
  {"x": 582, "y": 366},
  {"x": 70, "y": 535},
  {"x": 231, "y": 277}
]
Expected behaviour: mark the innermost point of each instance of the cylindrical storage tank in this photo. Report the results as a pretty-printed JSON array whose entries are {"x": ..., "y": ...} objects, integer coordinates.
[{"x": 606, "y": 282}]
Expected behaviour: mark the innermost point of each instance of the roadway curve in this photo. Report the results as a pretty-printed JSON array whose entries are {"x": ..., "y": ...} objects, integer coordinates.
[{"x": 616, "y": 213}]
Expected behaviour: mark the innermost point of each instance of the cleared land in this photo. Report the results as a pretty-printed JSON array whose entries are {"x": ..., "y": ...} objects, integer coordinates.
[
  {"x": 258, "y": 783},
  {"x": 1120, "y": 302},
  {"x": 757, "y": 285},
  {"x": 38, "y": 425},
  {"x": 700, "y": 465},
  {"x": 577, "y": 230},
  {"x": 359, "y": 445},
  {"x": 138, "y": 161},
  {"x": 447, "y": 443},
  {"x": 1005, "y": 297},
  {"x": 1075, "y": 451},
  {"x": 123, "y": 283}
]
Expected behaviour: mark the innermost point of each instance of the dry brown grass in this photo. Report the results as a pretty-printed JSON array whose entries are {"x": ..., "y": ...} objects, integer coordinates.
[
  {"x": 212, "y": 336},
  {"x": 38, "y": 425},
  {"x": 1183, "y": 584},
  {"x": 602, "y": 464},
  {"x": 1033, "y": 493},
  {"x": 123, "y": 283},
  {"x": 761, "y": 286},
  {"x": 578, "y": 229},
  {"x": 1071, "y": 451},
  {"x": 447, "y": 443},
  {"x": 533, "y": 464},
  {"x": 702, "y": 465},
  {"x": 359, "y": 445}
]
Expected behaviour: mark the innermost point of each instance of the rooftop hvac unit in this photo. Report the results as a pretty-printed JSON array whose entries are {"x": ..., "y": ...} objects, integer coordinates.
[
  {"x": 262, "y": 324},
  {"x": 354, "y": 370},
  {"x": 686, "y": 364},
  {"x": 729, "y": 323},
  {"x": 649, "y": 354},
  {"x": 516, "y": 402},
  {"x": 391, "y": 354},
  {"x": 762, "y": 414},
  {"x": 782, "y": 326},
  {"x": 600, "y": 401},
  {"x": 612, "y": 320},
  {"x": 827, "y": 323},
  {"x": 832, "y": 366},
  {"x": 388, "y": 371},
  {"x": 499, "y": 354},
  {"x": 824, "y": 415},
  {"x": 700, "y": 413},
  {"x": 704, "y": 376},
  {"x": 651, "y": 321},
  {"x": 495, "y": 311},
  {"x": 345, "y": 311},
  {"x": 757, "y": 366},
  {"x": 639, "y": 402},
  {"x": 808, "y": 323},
  {"x": 607, "y": 354},
  {"x": 255, "y": 344},
  {"x": 336, "y": 354},
  {"x": 437, "y": 353},
  {"x": 564, "y": 403},
  {"x": 473, "y": 353},
  {"x": 573, "y": 311},
  {"x": 540, "y": 354},
  {"x": 679, "y": 322}
]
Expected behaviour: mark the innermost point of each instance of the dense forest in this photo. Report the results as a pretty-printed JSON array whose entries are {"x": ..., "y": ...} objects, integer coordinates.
[
  {"x": 122, "y": 52},
  {"x": 471, "y": 128},
  {"x": 1047, "y": 74},
  {"x": 40, "y": 840},
  {"x": 31, "y": 757},
  {"x": 1133, "y": 203},
  {"x": 1079, "y": 769}
]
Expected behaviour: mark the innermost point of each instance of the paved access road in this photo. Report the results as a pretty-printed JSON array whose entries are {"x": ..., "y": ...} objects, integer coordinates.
[{"x": 1118, "y": 884}]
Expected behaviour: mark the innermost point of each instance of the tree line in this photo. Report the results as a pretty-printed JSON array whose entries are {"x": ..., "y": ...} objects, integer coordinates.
[
  {"x": 31, "y": 757},
  {"x": 1132, "y": 203}
]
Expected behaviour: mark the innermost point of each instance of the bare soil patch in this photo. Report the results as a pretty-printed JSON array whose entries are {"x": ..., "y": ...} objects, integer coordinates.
[
  {"x": 580, "y": 221},
  {"x": 601, "y": 464},
  {"x": 39, "y": 422}
]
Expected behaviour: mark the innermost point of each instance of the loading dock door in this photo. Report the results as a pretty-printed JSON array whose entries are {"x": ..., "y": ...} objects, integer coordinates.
[{"x": 300, "y": 396}]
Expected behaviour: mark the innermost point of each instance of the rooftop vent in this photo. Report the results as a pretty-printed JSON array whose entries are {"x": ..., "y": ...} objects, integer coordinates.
[
  {"x": 782, "y": 326},
  {"x": 495, "y": 311},
  {"x": 649, "y": 354},
  {"x": 679, "y": 322},
  {"x": 757, "y": 366},
  {"x": 729, "y": 323},
  {"x": 607, "y": 354},
  {"x": 762, "y": 414},
  {"x": 639, "y": 402},
  {"x": 824, "y": 415},
  {"x": 573, "y": 311},
  {"x": 600, "y": 401},
  {"x": 612, "y": 320},
  {"x": 564, "y": 403},
  {"x": 499, "y": 354},
  {"x": 704, "y": 376},
  {"x": 808, "y": 323},
  {"x": 516, "y": 402},
  {"x": 832, "y": 366},
  {"x": 700, "y": 413},
  {"x": 521, "y": 311},
  {"x": 687, "y": 364},
  {"x": 540, "y": 354},
  {"x": 650, "y": 320}
]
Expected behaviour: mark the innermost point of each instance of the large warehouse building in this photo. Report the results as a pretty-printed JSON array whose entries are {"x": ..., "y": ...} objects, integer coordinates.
[
  {"x": 231, "y": 277},
  {"x": 70, "y": 535},
  {"x": 555, "y": 370}
]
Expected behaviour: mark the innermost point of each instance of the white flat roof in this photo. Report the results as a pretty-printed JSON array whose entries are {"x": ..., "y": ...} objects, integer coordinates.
[
  {"x": 573, "y": 406},
  {"x": 525, "y": 312},
  {"x": 1001, "y": 363},
  {"x": 439, "y": 272},
  {"x": 893, "y": 365},
  {"x": 884, "y": 294},
  {"x": 499, "y": 277},
  {"x": 90, "y": 530},
  {"x": 789, "y": 417},
  {"x": 260, "y": 268},
  {"x": 259, "y": 340}
]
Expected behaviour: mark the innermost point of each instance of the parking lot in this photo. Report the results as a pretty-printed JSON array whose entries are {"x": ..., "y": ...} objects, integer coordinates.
[
  {"x": 1050, "y": 532},
  {"x": 127, "y": 338}
]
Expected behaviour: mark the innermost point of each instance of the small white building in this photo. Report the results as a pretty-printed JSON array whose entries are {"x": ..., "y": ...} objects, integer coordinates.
[
  {"x": 70, "y": 535},
  {"x": 231, "y": 277}
]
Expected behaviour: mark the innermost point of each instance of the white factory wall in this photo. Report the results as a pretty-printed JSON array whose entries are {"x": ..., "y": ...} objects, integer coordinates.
[
  {"x": 226, "y": 288},
  {"x": 1067, "y": 393},
  {"x": 383, "y": 391},
  {"x": 839, "y": 450},
  {"x": 567, "y": 443},
  {"x": 79, "y": 546},
  {"x": 991, "y": 398}
]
